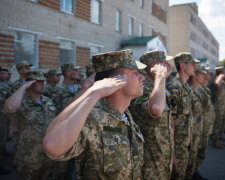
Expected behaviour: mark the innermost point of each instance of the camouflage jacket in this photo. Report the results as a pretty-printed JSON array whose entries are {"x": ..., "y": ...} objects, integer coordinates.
[
  {"x": 67, "y": 94},
  {"x": 208, "y": 111},
  {"x": 33, "y": 120},
  {"x": 54, "y": 93},
  {"x": 158, "y": 134},
  {"x": 5, "y": 90},
  {"x": 183, "y": 118},
  {"x": 16, "y": 85},
  {"x": 112, "y": 145},
  {"x": 219, "y": 95}
]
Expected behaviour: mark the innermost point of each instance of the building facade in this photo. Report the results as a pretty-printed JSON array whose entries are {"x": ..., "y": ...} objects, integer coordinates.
[
  {"x": 48, "y": 33},
  {"x": 187, "y": 32}
]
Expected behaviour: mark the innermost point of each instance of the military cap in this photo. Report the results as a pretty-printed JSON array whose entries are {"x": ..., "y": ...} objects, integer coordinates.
[
  {"x": 115, "y": 59},
  {"x": 219, "y": 69},
  {"x": 184, "y": 57},
  {"x": 151, "y": 57},
  {"x": 200, "y": 68},
  {"x": 53, "y": 72},
  {"x": 207, "y": 68},
  {"x": 22, "y": 64},
  {"x": 35, "y": 75},
  {"x": 69, "y": 66},
  {"x": 4, "y": 69}
]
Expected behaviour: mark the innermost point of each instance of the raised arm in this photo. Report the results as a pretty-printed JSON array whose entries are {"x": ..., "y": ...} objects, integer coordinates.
[
  {"x": 64, "y": 130},
  {"x": 219, "y": 79},
  {"x": 157, "y": 99},
  {"x": 14, "y": 101}
]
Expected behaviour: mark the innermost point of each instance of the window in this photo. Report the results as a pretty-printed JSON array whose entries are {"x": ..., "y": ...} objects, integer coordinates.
[
  {"x": 141, "y": 29},
  {"x": 151, "y": 11},
  {"x": 131, "y": 26},
  {"x": 67, "y": 52},
  {"x": 118, "y": 21},
  {"x": 96, "y": 11},
  {"x": 142, "y": 3},
  {"x": 67, "y": 6},
  {"x": 26, "y": 48},
  {"x": 94, "y": 50},
  {"x": 151, "y": 31}
]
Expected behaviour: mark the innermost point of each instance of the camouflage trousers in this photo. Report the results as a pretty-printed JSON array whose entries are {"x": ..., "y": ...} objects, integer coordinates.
[
  {"x": 3, "y": 134},
  {"x": 60, "y": 170},
  {"x": 218, "y": 125},
  {"x": 202, "y": 150}
]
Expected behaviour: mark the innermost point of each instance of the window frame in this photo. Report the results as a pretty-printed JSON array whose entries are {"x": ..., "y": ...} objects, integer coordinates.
[
  {"x": 64, "y": 9},
  {"x": 61, "y": 39},
  {"x": 118, "y": 23},
  {"x": 99, "y": 12},
  {"x": 141, "y": 29},
  {"x": 91, "y": 45},
  {"x": 131, "y": 26}
]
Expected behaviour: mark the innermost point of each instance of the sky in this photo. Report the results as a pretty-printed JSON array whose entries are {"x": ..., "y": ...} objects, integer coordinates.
[{"x": 212, "y": 13}]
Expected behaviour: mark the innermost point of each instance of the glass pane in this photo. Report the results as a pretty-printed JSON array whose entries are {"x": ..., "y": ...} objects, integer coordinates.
[
  {"x": 66, "y": 45},
  {"x": 117, "y": 20},
  {"x": 67, "y": 56},
  {"x": 95, "y": 11}
]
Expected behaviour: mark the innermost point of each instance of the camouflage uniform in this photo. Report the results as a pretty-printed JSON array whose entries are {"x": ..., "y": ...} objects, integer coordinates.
[
  {"x": 157, "y": 131},
  {"x": 159, "y": 142},
  {"x": 209, "y": 116},
  {"x": 4, "y": 94},
  {"x": 33, "y": 119},
  {"x": 196, "y": 133},
  {"x": 112, "y": 145},
  {"x": 183, "y": 117}
]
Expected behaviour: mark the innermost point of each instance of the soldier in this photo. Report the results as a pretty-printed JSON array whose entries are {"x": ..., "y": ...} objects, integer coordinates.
[
  {"x": 4, "y": 94},
  {"x": 34, "y": 112},
  {"x": 98, "y": 123},
  {"x": 208, "y": 115},
  {"x": 22, "y": 67},
  {"x": 195, "y": 82},
  {"x": 219, "y": 104},
  {"x": 89, "y": 69},
  {"x": 153, "y": 115},
  {"x": 183, "y": 117},
  {"x": 52, "y": 90}
]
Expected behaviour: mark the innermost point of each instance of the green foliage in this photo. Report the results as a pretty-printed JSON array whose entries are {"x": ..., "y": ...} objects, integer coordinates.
[{"x": 222, "y": 63}]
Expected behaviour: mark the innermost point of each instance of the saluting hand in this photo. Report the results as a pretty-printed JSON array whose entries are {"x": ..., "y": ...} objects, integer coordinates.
[
  {"x": 27, "y": 84},
  {"x": 160, "y": 70},
  {"x": 108, "y": 86}
]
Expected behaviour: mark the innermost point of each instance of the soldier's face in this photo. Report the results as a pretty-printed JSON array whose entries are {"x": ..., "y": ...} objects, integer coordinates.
[
  {"x": 24, "y": 70},
  {"x": 55, "y": 78},
  {"x": 38, "y": 87},
  {"x": 199, "y": 77},
  {"x": 3, "y": 75},
  {"x": 134, "y": 86},
  {"x": 190, "y": 68},
  {"x": 74, "y": 74}
]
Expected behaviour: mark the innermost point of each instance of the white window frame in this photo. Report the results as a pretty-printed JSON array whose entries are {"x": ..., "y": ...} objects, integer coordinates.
[
  {"x": 93, "y": 20},
  {"x": 118, "y": 21},
  {"x": 141, "y": 29},
  {"x": 73, "y": 48},
  {"x": 131, "y": 26},
  {"x": 90, "y": 45},
  {"x": 63, "y": 9},
  {"x": 151, "y": 6}
]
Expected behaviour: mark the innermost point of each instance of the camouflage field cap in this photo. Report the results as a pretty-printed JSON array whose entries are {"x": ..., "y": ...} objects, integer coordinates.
[
  {"x": 53, "y": 72},
  {"x": 35, "y": 75},
  {"x": 2, "y": 68},
  {"x": 89, "y": 69},
  {"x": 115, "y": 59},
  {"x": 219, "y": 69},
  {"x": 22, "y": 64},
  {"x": 200, "y": 68},
  {"x": 69, "y": 66},
  {"x": 184, "y": 57},
  {"x": 151, "y": 57}
]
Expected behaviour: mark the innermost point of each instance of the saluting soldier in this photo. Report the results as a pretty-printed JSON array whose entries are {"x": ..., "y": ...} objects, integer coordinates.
[{"x": 98, "y": 123}]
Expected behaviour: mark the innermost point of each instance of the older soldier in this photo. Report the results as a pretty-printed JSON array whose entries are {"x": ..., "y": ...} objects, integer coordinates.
[
  {"x": 152, "y": 113},
  {"x": 98, "y": 123},
  {"x": 34, "y": 113},
  {"x": 219, "y": 104},
  {"x": 183, "y": 117},
  {"x": 52, "y": 90},
  {"x": 89, "y": 69},
  {"x": 195, "y": 82}
]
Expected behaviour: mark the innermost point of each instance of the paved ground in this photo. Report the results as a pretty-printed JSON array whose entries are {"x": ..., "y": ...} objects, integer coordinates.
[{"x": 212, "y": 168}]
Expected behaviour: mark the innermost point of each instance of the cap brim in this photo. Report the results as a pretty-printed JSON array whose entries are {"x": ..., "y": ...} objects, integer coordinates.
[{"x": 140, "y": 65}]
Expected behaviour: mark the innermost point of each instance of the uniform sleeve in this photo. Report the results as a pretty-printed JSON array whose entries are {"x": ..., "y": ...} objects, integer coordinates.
[
  {"x": 175, "y": 99},
  {"x": 78, "y": 147}
]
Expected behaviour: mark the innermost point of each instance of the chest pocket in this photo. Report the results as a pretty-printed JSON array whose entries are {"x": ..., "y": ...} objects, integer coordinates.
[
  {"x": 116, "y": 150},
  {"x": 185, "y": 104}
]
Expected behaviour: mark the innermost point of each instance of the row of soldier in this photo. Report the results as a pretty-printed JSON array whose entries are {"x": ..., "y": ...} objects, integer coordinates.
[{"x": 165, "y": 137}]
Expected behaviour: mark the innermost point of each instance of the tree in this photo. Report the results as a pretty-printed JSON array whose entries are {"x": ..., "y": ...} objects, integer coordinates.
[{"x": 222, "y": 63}]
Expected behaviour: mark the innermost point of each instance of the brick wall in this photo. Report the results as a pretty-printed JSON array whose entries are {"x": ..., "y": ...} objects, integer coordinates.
[
  {"x": 82, "y": 56},
  {"x": 48, "y": 54},
  {"x": 155, "y": 10},
  {"x": 54, "y": 4},
  {"x": 6, "y": 50},
  {"x": 83, "y": 9}
]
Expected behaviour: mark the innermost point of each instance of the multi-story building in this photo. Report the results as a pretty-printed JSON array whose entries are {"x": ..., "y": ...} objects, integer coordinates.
[
  {"x": 48, "y": 33},
  {"x": 187, "y": 32}
]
